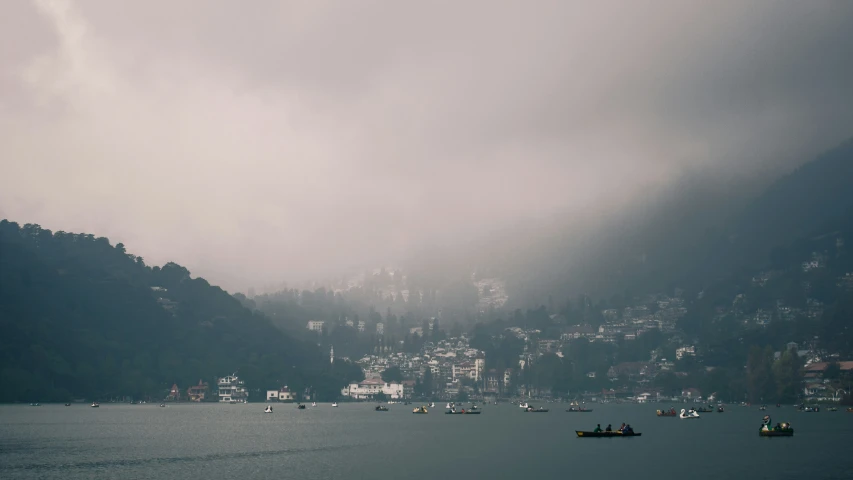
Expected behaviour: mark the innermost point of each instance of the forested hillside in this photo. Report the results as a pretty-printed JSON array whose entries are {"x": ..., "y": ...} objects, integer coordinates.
[
  {"x": 696, "y": 237},
  {"x": 81, "y": 318}
]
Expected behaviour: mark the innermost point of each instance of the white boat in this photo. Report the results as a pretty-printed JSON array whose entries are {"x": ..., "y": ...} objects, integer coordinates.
[
  {"x": 688, "y": 414},
  {"x": 313, "y": 404},
  {"x": 268, "y": 409},
  {"x": 431, "y": 404},
  {"x": 449, "y": 405},
  {"x": 523, "y": 405},
  {"x": 335, "y": 404},
  {"x": 95, "y": 405}
]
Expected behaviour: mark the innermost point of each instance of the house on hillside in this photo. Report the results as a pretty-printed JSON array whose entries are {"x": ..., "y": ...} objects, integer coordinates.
[
  {"x": 174, "y": 394},
  {"x": 281, "y": 395},
  {"x": 196, "y": 393},
  {"x": 816, "y": 370}
]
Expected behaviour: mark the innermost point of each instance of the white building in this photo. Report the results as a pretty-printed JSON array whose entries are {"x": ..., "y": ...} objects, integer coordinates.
[
  {"x": 681, "y": 352},
  {"x": 361, "y": 325},
  {"x": 472, "y": 369},
  {"x": 369, "y": 388},
  {"x": 316, "y": 325},
  {"x": 232, "y": 388},
  {"x": 282, "y": 395},
  {"x": 380, "y": 328}
]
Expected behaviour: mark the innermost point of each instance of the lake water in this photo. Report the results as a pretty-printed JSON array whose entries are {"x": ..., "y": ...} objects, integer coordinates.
[{"x": 212, "y": 441}]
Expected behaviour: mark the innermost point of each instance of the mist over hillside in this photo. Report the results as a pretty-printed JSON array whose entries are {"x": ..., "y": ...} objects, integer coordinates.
[{"x": 687, "y": 236}]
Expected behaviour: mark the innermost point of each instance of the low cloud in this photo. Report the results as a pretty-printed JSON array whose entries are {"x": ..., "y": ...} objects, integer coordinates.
[{"x": 285, "y": 140}]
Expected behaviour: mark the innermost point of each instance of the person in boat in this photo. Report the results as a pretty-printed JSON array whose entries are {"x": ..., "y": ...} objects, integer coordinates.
[
  {"x": 597, "y": 428},
  {"x": 609, "y": 428},
  {"x": 622, "y": 428},
  {"x": 628, "y": 430}
]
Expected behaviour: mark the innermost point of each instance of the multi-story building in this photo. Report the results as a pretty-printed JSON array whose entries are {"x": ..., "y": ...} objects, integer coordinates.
[
  {"x": 472, "y": 369},
  {"x": 196, "y": 393},
  {"x": 316, "y": 325},
  {"x": 231, "y": 388},
  {"x": 370, "y": 388},
  {"x": 380, "y": 328}
]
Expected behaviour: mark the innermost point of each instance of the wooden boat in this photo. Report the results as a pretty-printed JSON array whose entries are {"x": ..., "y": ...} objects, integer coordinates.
[{"x": 606, "y": 434}]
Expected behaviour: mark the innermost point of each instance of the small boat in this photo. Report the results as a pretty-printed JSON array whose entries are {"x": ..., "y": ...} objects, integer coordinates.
[
  {"x": 762, "y": 408},
  {"x": 313, "y": 404},
  {"x": 531, "y": 409},
  {"x": 687, "y": 415},
  {"x": 95, "y": 404},
  {"x": 708, "y": 409},
  {"x": 720, "y": 409},
  {"x": 381, "y": 408},
  {"x": 301, "y": 406},
  {"x": 162, "y": 404},
  {"x": 431, "y": 404},
  {"x": 832, "y": 409},
  {"x": 849, "y": 409},
  {"x": 420, "y": 410},
  {"x": 616, "y": 433},
  {"x": 35, "y": 404},
  {"x": 579, "y": 410},
  {"x": 472, "y": 411},
  {"x": 334, "y": 404},
  {"x": 523, "y": 405},
  {"x": 667, "y": 413},
  {"x": 780, "y": 430},
  {"x": 67, "y": 404},
  {"x": 449, "y": 405},
  {"x": 268, "y": 409}
]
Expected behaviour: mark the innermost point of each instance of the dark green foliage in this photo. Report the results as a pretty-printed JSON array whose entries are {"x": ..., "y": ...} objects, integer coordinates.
[
  {"x": 80, "y": 318},
  {"x": 392, "y": 374}
]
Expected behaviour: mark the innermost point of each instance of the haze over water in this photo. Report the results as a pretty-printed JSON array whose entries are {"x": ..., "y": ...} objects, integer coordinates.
[{"x": 216, "y": 441}]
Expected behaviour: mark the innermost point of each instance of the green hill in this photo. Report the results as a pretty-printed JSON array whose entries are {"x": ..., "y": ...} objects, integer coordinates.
[{"x": 81, "y": 318}]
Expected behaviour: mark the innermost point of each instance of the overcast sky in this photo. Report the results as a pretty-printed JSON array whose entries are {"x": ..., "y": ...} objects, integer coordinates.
[{"x": 267, "y": 140}]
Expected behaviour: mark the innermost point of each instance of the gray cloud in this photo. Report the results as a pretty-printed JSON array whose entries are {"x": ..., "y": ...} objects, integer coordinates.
[{"x": 277, "y": 140}]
